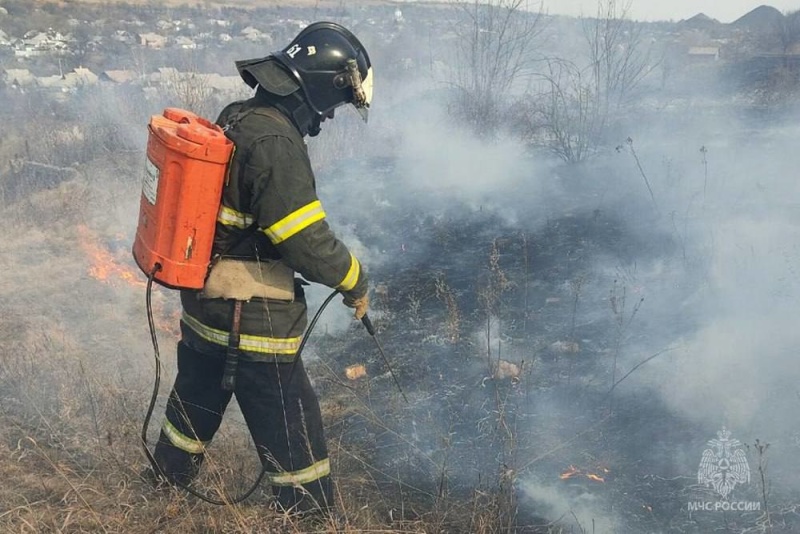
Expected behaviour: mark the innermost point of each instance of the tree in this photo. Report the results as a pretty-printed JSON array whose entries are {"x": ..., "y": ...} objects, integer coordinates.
[
  {"x": 190, "y": 90},
  {"x": 565, "y": 116},
  {"x": 786, "y": 33},
  {"x": 777, "y": 81},
  {"x": 494, "y": 50},
  {"x": 618, "y": 60},
  {"x": 570, "y": 109}
]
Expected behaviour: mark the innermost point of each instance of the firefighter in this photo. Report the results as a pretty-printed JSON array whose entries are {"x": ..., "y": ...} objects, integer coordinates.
[{"x": 252, "y": 309}]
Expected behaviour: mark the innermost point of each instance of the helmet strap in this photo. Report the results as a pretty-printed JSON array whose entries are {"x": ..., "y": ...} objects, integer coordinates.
[{"x": 294, "y": 106}]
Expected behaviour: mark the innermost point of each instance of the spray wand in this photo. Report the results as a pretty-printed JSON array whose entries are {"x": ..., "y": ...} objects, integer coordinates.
[{"x": 371, "y": 331}]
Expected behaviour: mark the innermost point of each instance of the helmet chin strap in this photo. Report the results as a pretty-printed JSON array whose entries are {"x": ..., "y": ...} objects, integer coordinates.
[
  {"x": 295, "y": 107},
  {"x": 316, "y": 126}
]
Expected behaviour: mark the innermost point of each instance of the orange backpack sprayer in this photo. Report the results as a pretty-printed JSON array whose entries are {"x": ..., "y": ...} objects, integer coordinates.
[{"x": 187, "y": 160}]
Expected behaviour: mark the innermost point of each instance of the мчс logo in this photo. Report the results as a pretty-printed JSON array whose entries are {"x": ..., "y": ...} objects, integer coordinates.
[{"x": 724, "y": 464}]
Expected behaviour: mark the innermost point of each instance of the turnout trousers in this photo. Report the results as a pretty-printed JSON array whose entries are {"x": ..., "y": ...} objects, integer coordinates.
[{"x": 283, "y": 418}]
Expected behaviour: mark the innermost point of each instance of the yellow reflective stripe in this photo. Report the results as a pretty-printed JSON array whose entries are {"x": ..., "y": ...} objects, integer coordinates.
[
  {"x": 295, "y": 222},
  {"x": 351, "y": 278},
  {"x": 304, "y": 476},
  {"x": 181, "y": 440},
  {"x": 231, "y": 217},
  {"x": 247, "y": 342}
]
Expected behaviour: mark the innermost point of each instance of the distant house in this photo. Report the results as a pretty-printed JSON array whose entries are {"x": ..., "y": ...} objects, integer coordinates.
[
  {"x": 81, "y": 76},
  {"x": 124, "y": 36},
  {"x": 164, "y": 75},
  {"x": 53, "y": 83},
  {"x": 18, "y": 78},
  {"x": 37, "y": 43},
  {"x": 702, "y": 54},
  {"x": 68, "y": 82},
  {"x": 168, "y": 72},
  {"x": 256, "y": 35},
  {"x": 185, "y": 42},
  {"x": 117, "y": 76},
  {"x": 31, "y": 45},
  {"x": 224, "y": 84},
  {"x": 152, "y": 40}
]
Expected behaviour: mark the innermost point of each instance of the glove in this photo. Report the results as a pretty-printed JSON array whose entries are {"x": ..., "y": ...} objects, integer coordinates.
[{"x": 360, "y": 304}]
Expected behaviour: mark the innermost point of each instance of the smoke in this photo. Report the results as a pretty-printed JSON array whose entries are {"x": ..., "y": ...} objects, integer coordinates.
[
  {"x": 701, "y": 277},
  {"x": 738, "y": 252},
  {"x": 581, "y": 510},
  {"x": 707, "y": 266}
]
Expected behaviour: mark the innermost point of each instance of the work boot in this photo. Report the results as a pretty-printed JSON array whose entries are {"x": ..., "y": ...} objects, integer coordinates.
[
  {"x": 310, "y": 519},
  {"x": 312, "y": 498},
  {"x": 179, "y": 468},
  {"x": 155, "y": 480}
]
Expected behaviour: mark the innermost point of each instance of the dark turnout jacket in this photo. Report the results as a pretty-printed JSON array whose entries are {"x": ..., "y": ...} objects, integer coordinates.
[{"x": 269, "y": 212}]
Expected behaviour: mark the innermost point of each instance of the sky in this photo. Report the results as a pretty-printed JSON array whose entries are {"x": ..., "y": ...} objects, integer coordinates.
[{"x": 722, "y": 10}]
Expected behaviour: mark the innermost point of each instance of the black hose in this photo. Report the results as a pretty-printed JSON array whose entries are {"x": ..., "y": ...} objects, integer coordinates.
[{"x": 226, "y": 500}]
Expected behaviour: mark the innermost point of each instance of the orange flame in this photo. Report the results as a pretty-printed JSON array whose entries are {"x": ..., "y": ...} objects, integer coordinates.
[
  {"x": 573, "y": 471},
  {"x": 105, "y": 267},
  {"x": 569, "y": 473},
  {"x": 102, "y": 264}
]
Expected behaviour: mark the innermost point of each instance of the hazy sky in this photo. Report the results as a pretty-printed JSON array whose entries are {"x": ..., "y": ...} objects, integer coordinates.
[{"x": 722, "y": 10}]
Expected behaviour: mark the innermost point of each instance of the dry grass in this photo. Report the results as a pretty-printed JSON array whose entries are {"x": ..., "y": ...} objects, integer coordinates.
[{"x": 75, "y": 378}]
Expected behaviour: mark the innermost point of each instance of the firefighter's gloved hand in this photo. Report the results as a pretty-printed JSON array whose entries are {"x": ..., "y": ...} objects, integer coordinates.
[{"x": 360, "y": 304}]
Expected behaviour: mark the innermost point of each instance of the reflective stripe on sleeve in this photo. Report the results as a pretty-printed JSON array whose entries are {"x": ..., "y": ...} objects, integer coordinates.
[
  {"x": 303, "y": 476},
  {"x": 295, "y": 222},
  {"x": 231, "y": 217},
  {"x": 247, "y": 342},
  {"x": 181, "y": 440},
  {"x": 351, "y": 278}
]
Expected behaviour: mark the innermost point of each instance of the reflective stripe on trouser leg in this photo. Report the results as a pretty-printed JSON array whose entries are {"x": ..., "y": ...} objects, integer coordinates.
[
  {"x": 296, "y": 457},
  {"x": 193, "y": 415}
]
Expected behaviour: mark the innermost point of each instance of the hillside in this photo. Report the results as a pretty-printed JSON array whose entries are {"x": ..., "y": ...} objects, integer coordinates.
[{"x": 763, "y": 17}]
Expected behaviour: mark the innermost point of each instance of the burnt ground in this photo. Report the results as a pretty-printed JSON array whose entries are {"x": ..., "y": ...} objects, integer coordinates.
[
  {"x": 503, "y": 333},
  {"x": 554, "y": 310}
]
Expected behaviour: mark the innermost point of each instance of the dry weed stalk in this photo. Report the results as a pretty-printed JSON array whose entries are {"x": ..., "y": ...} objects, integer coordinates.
[
  {"x": 617, "y": 300},
  {"x": 453, "y": 320}
]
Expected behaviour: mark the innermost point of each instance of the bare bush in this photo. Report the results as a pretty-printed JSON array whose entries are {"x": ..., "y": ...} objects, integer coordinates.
[
  {"x": 563, "y": 114},
  {"x": 569, "y": 112},
  {"x": 494, "y": 50},
  {"x": 191, "y": 91}
]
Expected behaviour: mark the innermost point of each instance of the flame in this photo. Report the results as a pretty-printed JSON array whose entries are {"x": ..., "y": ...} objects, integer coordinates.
[
  {"x": 569, "y": 473},
  {"x": 573, "y": 471},
  {"x": 102, "y": 264}
]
